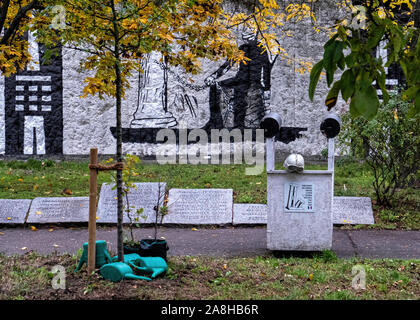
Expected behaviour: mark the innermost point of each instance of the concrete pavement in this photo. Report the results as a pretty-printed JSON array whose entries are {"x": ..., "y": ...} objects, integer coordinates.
[{"x": 229, "y": 241}]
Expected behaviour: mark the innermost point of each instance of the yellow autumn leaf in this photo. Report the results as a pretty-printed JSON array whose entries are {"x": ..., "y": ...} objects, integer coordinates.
[
  {"x": 9, "y": 218},
  {"x": 33, "y": 228}
]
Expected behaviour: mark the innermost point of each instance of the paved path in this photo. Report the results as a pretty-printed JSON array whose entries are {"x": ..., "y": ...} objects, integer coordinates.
[{"x": 214, "y": 242}]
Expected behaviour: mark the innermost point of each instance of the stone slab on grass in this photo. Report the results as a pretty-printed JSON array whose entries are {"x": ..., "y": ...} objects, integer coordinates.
[
  {"x": 14, "y": 211},
  {"x": 145, "y": 196},
  {"x": 352, "y": 210},
  {"x": 59, "y": 210},
  {"x": 200, "y": 206},
  {"x": 247, "y": 213}
]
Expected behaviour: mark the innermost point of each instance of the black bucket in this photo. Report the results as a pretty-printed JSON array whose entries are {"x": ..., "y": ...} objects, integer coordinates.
[{"x": 149, "y": 248}]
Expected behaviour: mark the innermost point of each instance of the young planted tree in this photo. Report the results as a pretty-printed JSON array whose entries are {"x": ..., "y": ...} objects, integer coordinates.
[{"x": 116, "y": 34}]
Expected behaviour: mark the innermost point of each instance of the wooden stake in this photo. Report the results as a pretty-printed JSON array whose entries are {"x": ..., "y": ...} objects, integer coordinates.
[{"x": 93, "y": 188}]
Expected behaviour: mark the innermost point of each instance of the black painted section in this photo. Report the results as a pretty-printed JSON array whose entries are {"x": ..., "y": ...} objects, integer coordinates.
[
  {"x": 53, "y": 120},
  {"x": 148, "y": 135}
]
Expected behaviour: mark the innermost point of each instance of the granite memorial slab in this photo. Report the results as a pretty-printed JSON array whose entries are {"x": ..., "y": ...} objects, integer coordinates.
[
  {"x": 200, "y": 206},
  {"x": 60, "y": 209},
  {"x": 352, "y": 210},
  {"x": 246, "y": 213},
  {"x": 14, "y": 211},
  {"x": 144, "y": 195}
]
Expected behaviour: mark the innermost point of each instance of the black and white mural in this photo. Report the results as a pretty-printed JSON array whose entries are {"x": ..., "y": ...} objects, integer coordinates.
[
  {"x": 239, "y": 101},
  {"x": 42, "y": 112},
  {"x": 33, "y": 106}
]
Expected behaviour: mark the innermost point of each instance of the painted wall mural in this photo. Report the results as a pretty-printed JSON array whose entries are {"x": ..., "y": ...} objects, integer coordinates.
[
  {"x": 34, "y": 107},
  {"x": 42, "y": 113},
  {"x": 238, "y": 102}
]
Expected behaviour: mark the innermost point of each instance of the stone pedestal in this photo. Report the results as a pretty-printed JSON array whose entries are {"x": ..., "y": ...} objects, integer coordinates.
[{"x": 299, "y": 210}]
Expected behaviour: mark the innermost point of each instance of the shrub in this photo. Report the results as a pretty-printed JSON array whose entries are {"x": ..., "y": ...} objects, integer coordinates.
[{"x": 390, "y": 144}]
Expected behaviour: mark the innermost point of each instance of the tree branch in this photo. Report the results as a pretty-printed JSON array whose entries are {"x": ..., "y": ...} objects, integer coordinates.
[
  {"x": 4, "y": 10},
  {"x": 17, "y": 20}
]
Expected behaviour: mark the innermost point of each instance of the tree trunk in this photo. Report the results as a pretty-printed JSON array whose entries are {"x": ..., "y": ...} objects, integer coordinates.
[
  {"x": 118, "y": 84},
  {"x": 120, "y": 193}
]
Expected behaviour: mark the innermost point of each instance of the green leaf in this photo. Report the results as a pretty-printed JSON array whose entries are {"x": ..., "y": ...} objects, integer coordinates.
[
  {"x": 350, "y": 60},
  {"x": 338, "y": 51},
  {"x": 417, "y": 102},
  {"x": 342, "y": 63},
  {"x": 415, "y": 109},
  {"x": 330, "y": 64},
  {"x": 347, "y": 84},
  {"x": 410, "y": 93},
  {"x": 332, "y": 40},
  {"x": 332, "y": 96},
  {"x": 314, "y": 78},
  {"x": 365, "y": 101},
  {"x": 376, "y": 35},
  {"x": 342, "y": 33}
]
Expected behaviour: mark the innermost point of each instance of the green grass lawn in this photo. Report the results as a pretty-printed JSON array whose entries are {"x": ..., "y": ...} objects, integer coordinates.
[
  {"x": 35, "y": 178},
  {"x": 322, "y": 277}
]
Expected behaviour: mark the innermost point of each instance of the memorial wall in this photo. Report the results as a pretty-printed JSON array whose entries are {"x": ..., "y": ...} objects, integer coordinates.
[{"x": 42, "y": 112}]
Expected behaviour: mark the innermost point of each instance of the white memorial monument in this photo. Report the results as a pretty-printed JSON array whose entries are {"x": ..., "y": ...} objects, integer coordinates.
[{"x": 300, "y": 202}]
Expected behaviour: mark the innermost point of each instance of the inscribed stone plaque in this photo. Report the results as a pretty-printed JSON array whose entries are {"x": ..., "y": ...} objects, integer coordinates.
[
  {"x": 14, "y": 211},
  {"x": 200, "y": 206},
  {"x": 352, "y": 210},
  {"x": 145, "y": 195},
  {"x": 55, "y": 210},
  {"x": 246, "y": 213},
  {"x": 299, "y": 197}
]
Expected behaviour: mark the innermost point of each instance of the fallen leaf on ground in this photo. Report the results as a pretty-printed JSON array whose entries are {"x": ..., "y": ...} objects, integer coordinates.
[
  {"x": 1, "y": 233},
  {"x": 311, "y": 276},
  {"x": 50, "y": 230},
  {"x": 38, "y": 212},
  {"x": 8, "y": 218},
  {"x": 55, "y": 245},
  {"x": 68, "y": 191},
  {"x": 25, "y": 248},
  {"x": 33, "y": 228},
  {"x": 194, "y": 229}
]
